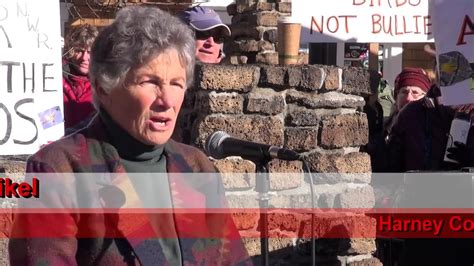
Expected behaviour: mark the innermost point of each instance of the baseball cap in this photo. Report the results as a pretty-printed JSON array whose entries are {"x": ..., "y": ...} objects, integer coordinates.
[{"x": 203, "y": 19}]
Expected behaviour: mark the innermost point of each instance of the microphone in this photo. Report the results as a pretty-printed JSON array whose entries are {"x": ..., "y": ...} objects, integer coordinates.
[
  {"x": 112, "y": 196},
  {"x": 220, "y": 145}
]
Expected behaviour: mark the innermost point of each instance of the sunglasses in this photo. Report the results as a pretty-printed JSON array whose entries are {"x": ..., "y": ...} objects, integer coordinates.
[{"x": 215, "y": 34}]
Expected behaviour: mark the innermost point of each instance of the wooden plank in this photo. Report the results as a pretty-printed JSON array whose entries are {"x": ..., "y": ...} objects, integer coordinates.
[
  {"x": 98, "y": 22},
  {"x": 94, "y": 3},
  {"x": 374, "y": 77},
  {"x": 374, "y": 56},
  {"x": 81, "y": 11}
]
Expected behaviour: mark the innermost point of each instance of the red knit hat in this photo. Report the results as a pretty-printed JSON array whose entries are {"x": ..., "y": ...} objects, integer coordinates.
[{"x": 411, "y": 76}]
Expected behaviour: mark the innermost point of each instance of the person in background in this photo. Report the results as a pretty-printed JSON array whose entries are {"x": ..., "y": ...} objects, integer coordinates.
[
  {"x": 77, "y": 92},
  {"x": 411, "y": 85},
  {"x": 141, "y": 66},
  {"x": 378, "y": 107},
  {"x": 210, "y": 33},
  {"x": 417, "y": 142}
]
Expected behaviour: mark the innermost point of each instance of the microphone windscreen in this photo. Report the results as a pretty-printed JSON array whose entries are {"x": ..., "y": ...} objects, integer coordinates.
[
  {"x": 112, "y": 196},
  {"x": 213, "y": 144}
]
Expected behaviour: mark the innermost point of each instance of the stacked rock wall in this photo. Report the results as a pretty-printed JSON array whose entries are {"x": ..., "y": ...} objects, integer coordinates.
[{"x": 312, "y": 109}]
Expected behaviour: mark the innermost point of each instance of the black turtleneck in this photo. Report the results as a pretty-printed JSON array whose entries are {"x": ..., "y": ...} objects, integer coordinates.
[
  {"x": 129, "y": 148},
  {"x": 147, "y": 167}
]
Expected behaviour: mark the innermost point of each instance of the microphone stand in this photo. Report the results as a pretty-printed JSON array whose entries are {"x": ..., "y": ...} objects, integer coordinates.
[{"x": 263, "y": 187}]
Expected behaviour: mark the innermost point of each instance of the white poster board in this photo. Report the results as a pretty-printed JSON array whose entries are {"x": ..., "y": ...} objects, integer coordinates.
[
  {"x": 30, "y": 75},
  {"x": 453, "y": 27},
  {"x": 363, "y": 21}
]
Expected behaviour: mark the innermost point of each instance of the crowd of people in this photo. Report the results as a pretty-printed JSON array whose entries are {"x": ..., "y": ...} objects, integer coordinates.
[
  {"x": 123, "y": 89},
  {"x": 209, "y": 32}
]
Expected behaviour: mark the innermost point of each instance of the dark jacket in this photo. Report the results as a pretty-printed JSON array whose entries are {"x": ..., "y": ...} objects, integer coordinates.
[
  {"x": 121, "y": 238},
  {"x": 418, "y": 138}
]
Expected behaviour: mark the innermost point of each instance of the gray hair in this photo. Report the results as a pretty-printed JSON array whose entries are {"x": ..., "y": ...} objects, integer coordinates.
[
  {"x": 79, "y": 37},
  {"x": 137, "y": 35}
]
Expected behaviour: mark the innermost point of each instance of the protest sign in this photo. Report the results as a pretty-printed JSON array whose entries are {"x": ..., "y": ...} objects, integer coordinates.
[
  {"x": 453, "y": 27},
  {"x": 384, "y": 21},
  {"x": 30, "y": 75}
]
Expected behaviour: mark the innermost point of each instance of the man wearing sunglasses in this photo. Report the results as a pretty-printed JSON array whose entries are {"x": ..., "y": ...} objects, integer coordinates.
[{"x": 210, "y": 33}]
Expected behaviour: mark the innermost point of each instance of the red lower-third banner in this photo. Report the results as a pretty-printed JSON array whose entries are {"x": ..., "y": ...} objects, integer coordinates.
[{"x": 205, "y": 223}]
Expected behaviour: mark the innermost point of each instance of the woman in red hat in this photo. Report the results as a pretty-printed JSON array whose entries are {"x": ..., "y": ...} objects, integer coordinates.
[{"x": 410, "y": 85}]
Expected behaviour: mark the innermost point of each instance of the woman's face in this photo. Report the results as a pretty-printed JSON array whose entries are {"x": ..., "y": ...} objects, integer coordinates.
[
  {"x": 147, "y": 105},
  {"x": 408, "y": 94},
  {"x": 80, "y": 60},
  {"x": 208, "y": 45}
]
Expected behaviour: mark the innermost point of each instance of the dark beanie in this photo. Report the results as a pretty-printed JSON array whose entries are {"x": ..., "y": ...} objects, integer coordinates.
[{"x": 412, "y": 77}]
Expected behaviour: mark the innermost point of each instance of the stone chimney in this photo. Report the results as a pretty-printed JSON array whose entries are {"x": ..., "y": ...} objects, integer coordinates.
[{"x": 254, "y": 31}]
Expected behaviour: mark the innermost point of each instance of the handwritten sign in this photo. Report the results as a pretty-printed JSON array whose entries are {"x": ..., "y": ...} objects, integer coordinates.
[
  {"x": 453, "y": 27},
  {"x": 363, "y": 20},
  {"x": 30, "y": 75}
]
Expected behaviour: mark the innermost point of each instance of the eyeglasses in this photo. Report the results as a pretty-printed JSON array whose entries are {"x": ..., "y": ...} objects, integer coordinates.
[
  {"x": 214, "y": 33},
  {"x": 414, "y": 92}
]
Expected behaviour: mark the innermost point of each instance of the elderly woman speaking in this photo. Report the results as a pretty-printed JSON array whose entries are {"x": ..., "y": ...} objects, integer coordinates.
[{"x": 140, "y": 68}]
